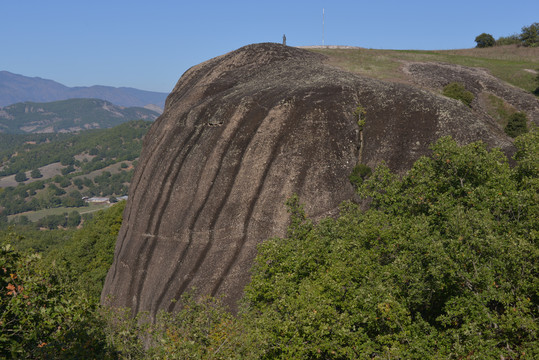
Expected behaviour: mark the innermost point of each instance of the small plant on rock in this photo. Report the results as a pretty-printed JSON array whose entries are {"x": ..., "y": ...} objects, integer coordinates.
[
  {"x": 359, "y": 114},
  {"x": 516, "y": 125},
  {"x": 359, "y": 174},
  {"x": 457, "y": 91}
]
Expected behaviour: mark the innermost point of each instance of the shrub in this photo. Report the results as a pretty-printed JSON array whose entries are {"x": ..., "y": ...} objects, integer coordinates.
[
  {"x": 359, "y": 114},
  {"x": 73, "y": 219},
  {"x": 52, "y": 221},
  {"x": 42, "y": 316},
  {"x": 202, "y": 329},
  {"x": 36, "y": 174},
  {"x": 20, "y": 176},
  {"x": 516, "y": 125},
  {"x": 67, "y": 160},
  {"x": 67, "y": 170},
  {"x": 359, "y": 174},
  {"x": 457, "y": 91},
  {"x": 508, "y": 40},
  {"x": 65, "y": 182}
]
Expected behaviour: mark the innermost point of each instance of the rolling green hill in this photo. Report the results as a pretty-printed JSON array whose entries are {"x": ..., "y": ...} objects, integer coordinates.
[
  {"x": 54, "y": 171},
  {"x": 68, "y": 116}
]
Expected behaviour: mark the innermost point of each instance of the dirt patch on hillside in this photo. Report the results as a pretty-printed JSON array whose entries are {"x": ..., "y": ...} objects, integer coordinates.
[{"x": 48, "y": 171}]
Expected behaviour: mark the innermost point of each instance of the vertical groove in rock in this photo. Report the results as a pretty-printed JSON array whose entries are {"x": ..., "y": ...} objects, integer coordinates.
[
  {"x": 156, "y": 211},
  {"x": 226, "y": 143},
  {"x": 249, "y": 213},
  {"x": 134, "y": 185}
]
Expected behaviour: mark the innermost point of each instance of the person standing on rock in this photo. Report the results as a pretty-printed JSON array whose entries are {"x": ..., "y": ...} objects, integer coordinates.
[{"x": 284, "y": 39}]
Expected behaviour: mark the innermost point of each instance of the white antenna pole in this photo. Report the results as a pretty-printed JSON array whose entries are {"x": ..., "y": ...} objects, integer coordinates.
[{"x": 323, "y": 26}]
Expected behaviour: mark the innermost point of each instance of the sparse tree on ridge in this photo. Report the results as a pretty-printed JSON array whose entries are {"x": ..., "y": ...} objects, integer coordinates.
[
  {"x": 530, "y": 35},
  {"x": 485, "y": 40}
]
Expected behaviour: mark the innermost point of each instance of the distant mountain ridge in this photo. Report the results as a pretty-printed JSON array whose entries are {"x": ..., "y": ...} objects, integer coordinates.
[
  {"x": 68, "y": 116},
  {"x": 16, "y": 88}
]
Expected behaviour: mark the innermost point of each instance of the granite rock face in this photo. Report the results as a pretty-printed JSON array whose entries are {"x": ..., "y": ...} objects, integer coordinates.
[{"x": 240, "y": 134}]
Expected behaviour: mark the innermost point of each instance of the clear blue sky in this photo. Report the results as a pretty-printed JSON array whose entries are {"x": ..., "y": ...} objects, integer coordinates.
[{"x": 149, "y": 44}]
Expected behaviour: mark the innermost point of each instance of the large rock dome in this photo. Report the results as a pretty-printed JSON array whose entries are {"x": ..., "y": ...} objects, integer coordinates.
[{"x": 239, "y": 135}]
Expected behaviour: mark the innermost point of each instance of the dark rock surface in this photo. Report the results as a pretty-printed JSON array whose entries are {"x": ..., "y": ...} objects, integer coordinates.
[
  {"x": 240, "y": 134},
  {"x": 437, "y": 75}
]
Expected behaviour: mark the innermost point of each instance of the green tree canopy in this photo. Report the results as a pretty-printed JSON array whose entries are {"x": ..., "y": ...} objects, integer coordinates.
[
  {"x": 444, "y": 264},
  {"x": 20, "y": 176},
  {"x": 89, "y": 251},
  {"x": 42, "y": 316},
  {"x": 530, "y": 35},
  {"x": 485, "y": 40},
  {"x": 36, "y": 174}
]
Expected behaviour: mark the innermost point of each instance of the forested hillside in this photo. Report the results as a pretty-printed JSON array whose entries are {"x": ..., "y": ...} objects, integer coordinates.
[{"x": 55, "y": 171}]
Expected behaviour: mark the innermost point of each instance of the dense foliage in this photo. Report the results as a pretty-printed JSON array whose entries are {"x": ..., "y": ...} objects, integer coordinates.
[
  {"x": 41, "y": 315},
  {"x": 203, "y": 329},
  {"x": 444, "y": 264},
  {"x": 359, "y": 173},
  {"x": 8, "y": 142},
  {"x": 88, "y": 252},
  {"x": 530, "y": 35}
]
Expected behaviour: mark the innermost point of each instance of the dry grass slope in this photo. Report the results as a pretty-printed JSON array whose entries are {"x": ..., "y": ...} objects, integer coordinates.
[{"x": 512, "y": 64}]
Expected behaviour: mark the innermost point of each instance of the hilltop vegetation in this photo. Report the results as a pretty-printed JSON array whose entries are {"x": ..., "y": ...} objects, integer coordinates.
[
  {"x": 102, "y": 146},
  {"x": 529, "y": 37}
]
